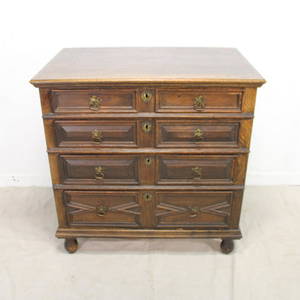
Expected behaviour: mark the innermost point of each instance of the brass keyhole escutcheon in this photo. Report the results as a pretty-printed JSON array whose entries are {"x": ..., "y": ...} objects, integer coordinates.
[
  {"x": 198, "y": 133},
  {"x": 199, "y": 103},
  {"x": 146, "y": 96},
  {"x": 148, "y": 161},
  {"x": 95, "y": 102},
  {"x": 97, "y": 136},
  {"x": 147, "y": 197},
  {"x": 147, "y": 126},
  {"x": 101, "y": 210},
  {"x": 99, "y": 172},
  {"x": 197, "y": 171}
]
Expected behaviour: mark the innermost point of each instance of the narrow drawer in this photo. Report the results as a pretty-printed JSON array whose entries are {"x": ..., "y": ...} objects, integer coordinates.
[
  {"x": 99, "y": 169},
  {"x": 94, "y": 101},
  {"x": 197, "y": 134},
  {"x": 199, "y": 100},
  {"x": 195, "y": 209},
  {"x": 198, "y": 169},
  {"x": 113, "y": 209},
  {"x": 96, "y": 133}
]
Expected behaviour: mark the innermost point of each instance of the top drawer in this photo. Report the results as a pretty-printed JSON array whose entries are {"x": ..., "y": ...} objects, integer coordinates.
[
  {"x": 199, "y": 100},
  {"x": 94, "y": 100}
]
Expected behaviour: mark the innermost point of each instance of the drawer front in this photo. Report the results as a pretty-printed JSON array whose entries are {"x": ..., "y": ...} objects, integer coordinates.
[
  {"x": 121, "y": 209},
  {"x": 197, "y": 169},
  {"x": 197, "y": 134},
  {"x": 99, "y": 169},
  {"x": 94, "y": 101},
  {"x": 194, "y": 209},
  {"x": 96, "y": 133},
  {"x": 199, "y": 100}
]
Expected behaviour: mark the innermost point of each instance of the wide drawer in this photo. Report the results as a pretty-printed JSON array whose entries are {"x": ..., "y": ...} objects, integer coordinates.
[
  {"x": 152, "y": 209},
  {"x": 99, "y": 169},
  {"x": 200, "y": 169},
  {"x": 195, "y": 209},
  {"x": 121, "y": 209},
  {"x": 96, "y": 133},
  {"x": 199, "y": 100},
  {"x": 94, "y": 101},
  {"x": 197, "y": 133}
]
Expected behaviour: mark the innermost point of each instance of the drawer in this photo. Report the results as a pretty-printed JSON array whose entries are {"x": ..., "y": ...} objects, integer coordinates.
[
  {"x": 199, "y": 100},
  {"x": 197, "y": 134},
  {"x": 195, "y": 209},
  {"x": 99, "y": 169},
  {"x": 199, "y": 169},
  {"x": 94, "y": 101},
  {"x": 87, "y": 208},
  {"x": 96, "y": 133}
]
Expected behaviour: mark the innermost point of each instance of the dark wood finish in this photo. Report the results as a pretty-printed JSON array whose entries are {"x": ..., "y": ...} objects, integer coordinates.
[
  {"x": 148, "y": 142},
  {"x": 71, "y": 245},
  {"x": 200, "y": 169},
  {"x": 105, "y": 209},
  {"x": 197, "y": 133},
  {"x": 214, "y": 100},
  {"x": 194, "y": 209},
  {"x": 92, "y": 232},
  {"x": 78, "y": 101},
  {"x": 227, "y": 246},
  {"x": 81, "y": 169},
  {"x": 84, "y": 66},
  {"x": 95, "y": 133}
]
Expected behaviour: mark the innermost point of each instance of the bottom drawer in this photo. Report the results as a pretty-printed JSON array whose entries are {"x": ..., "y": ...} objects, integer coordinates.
[
  {"x": 153, "y": 209},
  {"x": 121, "y": 209},
  {"x": 196, "y": 209}
]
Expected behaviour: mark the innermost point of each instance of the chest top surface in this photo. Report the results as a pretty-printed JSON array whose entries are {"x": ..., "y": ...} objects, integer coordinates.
[{"x": 149, "y": 65}]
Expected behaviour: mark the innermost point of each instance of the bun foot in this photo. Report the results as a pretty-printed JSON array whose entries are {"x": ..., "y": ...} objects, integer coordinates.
[
  {"x": 227, "y": 246},
  {"x": 71, "y": 245}
]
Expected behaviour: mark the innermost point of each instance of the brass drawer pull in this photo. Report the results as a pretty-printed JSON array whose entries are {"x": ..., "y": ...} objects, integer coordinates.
[
  {"x": 148, "y": 161},
  {"x": 197, "y": 171},
  {"x": 97, "y": 136},
  {"x": 95, "y": 102},
  {"x": 101, "y": 210},
  {"x": 194, "y": 211},
  {"x": 199, "y": 103},
  {"x": 146, "y": 96},
  {"x": 147, "y": 126},
  {"x": 99, "y": 172},
  {"x": 198, "y": 133},
  {"x": 147, "y": 197}
]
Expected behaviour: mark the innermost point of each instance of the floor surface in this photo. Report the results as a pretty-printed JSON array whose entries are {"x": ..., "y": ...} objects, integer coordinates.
[{"x": 265, "y": 264}]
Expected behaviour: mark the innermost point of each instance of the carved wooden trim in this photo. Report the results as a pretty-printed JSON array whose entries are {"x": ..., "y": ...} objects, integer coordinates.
[{"x": 214, "y": 209}]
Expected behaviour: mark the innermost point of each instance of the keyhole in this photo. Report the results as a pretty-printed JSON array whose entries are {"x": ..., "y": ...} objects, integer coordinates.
[
  {"x": 148, "y": 161},
  {"x": 147, "y": 126},
  {"x": 147, "y": 197}
]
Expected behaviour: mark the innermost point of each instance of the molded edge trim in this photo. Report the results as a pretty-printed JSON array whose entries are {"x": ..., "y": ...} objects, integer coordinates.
[{"x": 147, "y": 233}]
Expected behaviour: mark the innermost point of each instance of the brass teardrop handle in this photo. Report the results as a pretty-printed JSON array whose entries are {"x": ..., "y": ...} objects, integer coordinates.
[
  {"x": 101, "y": 210},
  {"x": 146, "y": 96},
  {"x": 194, "y": 211},
  {"x": 95, "y": 102},
  {"x": 198, "y": 133},
  {"x": 97, "y": 136},
  {"x": 147, "y": 126},
  {"x": 99, "y": 172},
  {"x": 197, "y": 171},
  {"x": 199, "y": 103}
]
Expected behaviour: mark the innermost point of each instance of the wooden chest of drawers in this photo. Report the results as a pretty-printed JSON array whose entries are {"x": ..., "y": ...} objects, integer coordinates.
[{"x": 148, "y": 142}]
